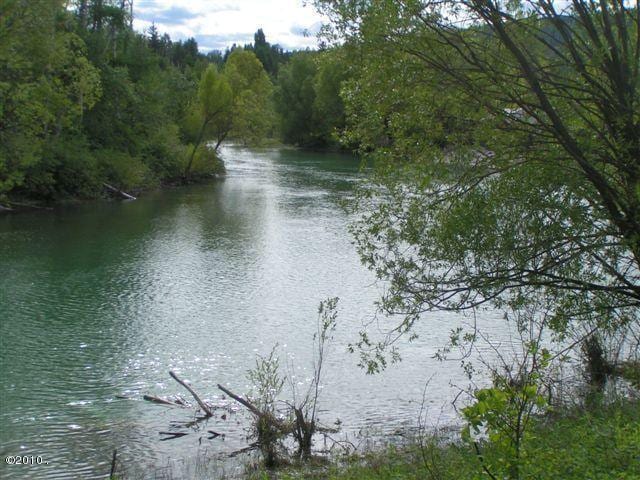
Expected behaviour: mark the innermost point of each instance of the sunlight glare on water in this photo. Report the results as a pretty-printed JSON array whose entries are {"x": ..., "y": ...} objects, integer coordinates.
[{"x": 98, "y": 302}]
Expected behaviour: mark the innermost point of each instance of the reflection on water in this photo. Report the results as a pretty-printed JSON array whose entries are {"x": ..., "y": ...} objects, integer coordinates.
[{"x": 100, "y": 301}]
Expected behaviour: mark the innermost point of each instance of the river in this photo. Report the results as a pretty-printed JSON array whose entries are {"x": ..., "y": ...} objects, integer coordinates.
[{"x": 99, "y": 301}]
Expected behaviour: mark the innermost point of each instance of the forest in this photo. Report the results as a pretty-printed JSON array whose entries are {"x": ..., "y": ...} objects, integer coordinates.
[{"x": 86, "y": 101}]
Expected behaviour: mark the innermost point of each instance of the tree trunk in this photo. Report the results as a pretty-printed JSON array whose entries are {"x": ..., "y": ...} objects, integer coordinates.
[{"x": 195, "y": 147}]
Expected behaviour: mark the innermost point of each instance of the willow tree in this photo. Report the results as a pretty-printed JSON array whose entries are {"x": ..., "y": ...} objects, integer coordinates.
[
  {"x": 212, "y": 106},
  {"x": 252, "y": 118},
  {"x": 507, "y": 136}
]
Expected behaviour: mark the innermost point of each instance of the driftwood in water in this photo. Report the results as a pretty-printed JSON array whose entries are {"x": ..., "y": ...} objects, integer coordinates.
[
  {"x": 250, "y": 406},
  {"x": 207, "y": 411},
  {"x": 172, "y": 435},
  {"x": 5, "y": 209},
  {"x": 251, "y": 447},
  {"x": 284, "y": 427},
  {"x": 161, "y": 401},
  {"x": 119, "y": 192}
]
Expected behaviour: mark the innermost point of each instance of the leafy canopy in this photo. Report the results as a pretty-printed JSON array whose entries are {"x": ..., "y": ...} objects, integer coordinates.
[{"x": 507, "y": 141}]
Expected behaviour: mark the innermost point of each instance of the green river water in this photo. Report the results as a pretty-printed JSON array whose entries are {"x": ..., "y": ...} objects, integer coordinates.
[{"x": 99, "y": 301}]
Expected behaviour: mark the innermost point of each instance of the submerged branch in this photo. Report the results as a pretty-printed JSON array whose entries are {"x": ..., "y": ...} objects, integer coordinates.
[
  {"x": 203, "y": 405},
  {"x": 125, "y": 195}
]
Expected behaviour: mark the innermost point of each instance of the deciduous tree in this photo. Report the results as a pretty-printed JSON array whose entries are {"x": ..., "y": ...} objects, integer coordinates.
[
  {"x": 214, "y": 101},
  {"x": 508, "y": 140}
]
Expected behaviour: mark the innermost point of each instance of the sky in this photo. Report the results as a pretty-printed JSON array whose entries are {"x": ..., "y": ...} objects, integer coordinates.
[{"x": 217, "y": 24}]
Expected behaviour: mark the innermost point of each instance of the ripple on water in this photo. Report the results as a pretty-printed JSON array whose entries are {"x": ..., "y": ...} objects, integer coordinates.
[{"x": 101, "y": 301}]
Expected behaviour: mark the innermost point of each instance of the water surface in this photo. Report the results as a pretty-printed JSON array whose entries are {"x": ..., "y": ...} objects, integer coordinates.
[{"x": 100, "y": 301}]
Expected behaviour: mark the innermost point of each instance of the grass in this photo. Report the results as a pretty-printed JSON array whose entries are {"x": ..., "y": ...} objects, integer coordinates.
[{"x": 602, "y": 444}]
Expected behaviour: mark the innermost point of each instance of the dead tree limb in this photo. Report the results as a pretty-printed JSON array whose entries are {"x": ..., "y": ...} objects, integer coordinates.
[
  {"x": 250, "y": 406},
  {"x": 172, "y": 435},
  {"x": 284, "y": 427},
  {"x": 119, "y": 192},
  {"x": 161, "y": 401},
  {"x": 207, "y": 411},
  {"x": 251, "y": 447}
]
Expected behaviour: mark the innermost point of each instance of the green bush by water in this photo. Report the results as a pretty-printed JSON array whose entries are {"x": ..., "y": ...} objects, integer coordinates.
[{"x": 598, "y": 444}]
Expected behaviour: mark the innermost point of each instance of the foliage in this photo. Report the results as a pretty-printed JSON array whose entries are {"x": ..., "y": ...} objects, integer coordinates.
[
  {"x": 295, "y": 97},
  {"x": 252, "y": 116},
  {"x": 600, "y": 444},
  {"x": 76, "y": 74},
  {"x": 271, "y": 56},
  {"x": 211, "y": 109},
  {"x": 507, "y": 140},
  {"x": 503, "y": 413},
  {"x": 328, "y": 107},
  {"x": 46, "y": 84},
  {"x": 299, "y": 418},
  {"x": 306, "y": 410},
  {"x": 267, "y": 383},
  {"x": 85, "y": 100},
  {"x": 121, "y": 169},
  {"x": 308, "y": 98},
  {"x": 630, "y": 371}
]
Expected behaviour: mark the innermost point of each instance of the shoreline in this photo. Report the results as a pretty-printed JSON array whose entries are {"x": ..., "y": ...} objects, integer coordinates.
[{"x": 21, "y": 204}]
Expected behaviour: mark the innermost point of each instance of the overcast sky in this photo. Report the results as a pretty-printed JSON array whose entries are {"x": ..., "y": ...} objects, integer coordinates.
[{"x": 217, "y": 24}]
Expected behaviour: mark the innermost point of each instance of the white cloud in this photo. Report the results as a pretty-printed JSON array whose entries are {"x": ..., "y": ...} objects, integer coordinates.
[{"x": 217, "y": 24}]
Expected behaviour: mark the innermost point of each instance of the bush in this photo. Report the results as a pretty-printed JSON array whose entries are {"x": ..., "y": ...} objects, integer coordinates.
[
  {"x": 123, "y": 170},
  {"x": 164, "y": 152},
  {"x": 67, "y": 169},
  {"x": 206, "y": 163},
  {"x": 579, "y": 445}
]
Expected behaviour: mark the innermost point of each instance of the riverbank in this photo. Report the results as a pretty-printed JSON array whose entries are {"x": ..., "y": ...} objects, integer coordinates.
[
  {"x": 19, "y": 203},
  {"x": 110, "y": 189},
  {"x": 599, "y": 443}
]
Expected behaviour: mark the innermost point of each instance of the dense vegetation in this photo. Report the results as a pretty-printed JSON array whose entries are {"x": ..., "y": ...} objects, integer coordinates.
[
  {"x": 85, "y": 101},
  {"x": 600, "y": 444}
]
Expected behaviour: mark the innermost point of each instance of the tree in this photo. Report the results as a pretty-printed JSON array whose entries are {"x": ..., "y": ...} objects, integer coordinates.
[
  {"x": 508, "y": 140},
  {"x": 213, "y": 103},
  {"x": 252, "y": 115},
  {"x": 295, "y": 97},
  {"x": 264, "y": 52},
  {"x": 154, "y": 38},
  {"x": 328, "y": 107},
  {"x": 308, "y": 98},
  {"x": 46, "y": 85}
]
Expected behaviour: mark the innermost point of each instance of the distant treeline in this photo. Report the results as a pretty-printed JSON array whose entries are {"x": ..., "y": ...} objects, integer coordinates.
[{"x": 85, "y": 100}]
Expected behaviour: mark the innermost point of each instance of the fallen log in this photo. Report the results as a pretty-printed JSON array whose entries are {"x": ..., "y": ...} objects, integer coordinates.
[
  {"x": 250, "y": 406},
  {"x": 207, "y": 411},
  {"x": 251, "y": 447},
  {"x": 119, "y": 192},
  {"x": 172, "y": 435},
  {"x": 161, "y": 401},
  {"x": 280, "y": 425}
]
